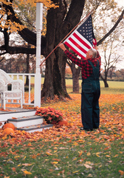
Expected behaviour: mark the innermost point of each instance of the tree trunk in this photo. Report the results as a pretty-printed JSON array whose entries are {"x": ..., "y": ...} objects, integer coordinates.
[
  {"x": 27, "y": 70},
  {"x": 105, "y": 81},
  {"x": 75, "y": 76},
  {"x": 57, "y": 28},
  {"x": 76, "y": 83}
]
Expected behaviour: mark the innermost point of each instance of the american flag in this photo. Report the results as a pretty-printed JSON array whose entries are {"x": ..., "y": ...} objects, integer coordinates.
[{"x": 81, "y": 39}]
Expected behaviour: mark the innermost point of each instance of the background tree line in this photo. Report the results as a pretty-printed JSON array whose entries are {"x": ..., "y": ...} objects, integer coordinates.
[{"x": 17, "y": 16}]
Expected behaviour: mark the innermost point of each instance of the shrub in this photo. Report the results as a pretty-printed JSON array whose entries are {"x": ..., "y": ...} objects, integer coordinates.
[{"x": 50, "y": 115}]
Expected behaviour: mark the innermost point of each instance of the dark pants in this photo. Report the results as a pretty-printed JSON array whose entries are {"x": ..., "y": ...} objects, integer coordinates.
[{"x": 90, "y": 100}]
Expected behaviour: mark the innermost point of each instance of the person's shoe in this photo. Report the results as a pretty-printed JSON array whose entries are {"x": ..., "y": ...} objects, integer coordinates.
[
  {"x": 95, "y": 127},
  {"x": 86, "y": 129}
]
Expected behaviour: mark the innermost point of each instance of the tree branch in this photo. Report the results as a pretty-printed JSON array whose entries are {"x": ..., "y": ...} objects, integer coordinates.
[
  {"x": 112, "y": 29},
  {"x": 17, "y": 50},
  {"x": 71, "y": 19},
  {"x": 2, "y": 59},
  {"x": 26, "y": 34},
  {"x": 2, "y": 54}
]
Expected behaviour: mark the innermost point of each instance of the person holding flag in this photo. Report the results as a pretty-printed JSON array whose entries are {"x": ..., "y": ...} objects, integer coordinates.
[{"x": 82, "y": 42}]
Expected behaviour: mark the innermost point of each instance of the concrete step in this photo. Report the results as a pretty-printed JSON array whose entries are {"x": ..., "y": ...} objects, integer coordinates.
[
  {"x": 26, "y": 121},
  {"x": 36, "y": 128}
]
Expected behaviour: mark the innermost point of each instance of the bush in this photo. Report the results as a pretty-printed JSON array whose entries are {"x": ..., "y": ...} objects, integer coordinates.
[{"x": 50, "y": 115}]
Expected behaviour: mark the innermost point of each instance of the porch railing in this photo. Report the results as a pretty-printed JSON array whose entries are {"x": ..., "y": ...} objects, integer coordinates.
[{"x": 31, "y": 84}]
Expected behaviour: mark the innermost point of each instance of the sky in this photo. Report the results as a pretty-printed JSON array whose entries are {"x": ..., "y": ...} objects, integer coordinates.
[
  {"x": 120, "y": 2},
  {"x": 120, "y": 64}
]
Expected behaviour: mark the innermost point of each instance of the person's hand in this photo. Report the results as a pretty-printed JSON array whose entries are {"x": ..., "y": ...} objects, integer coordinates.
[
  {"x": 62, "y": 46},
  {"x": 94, "y": 42}
]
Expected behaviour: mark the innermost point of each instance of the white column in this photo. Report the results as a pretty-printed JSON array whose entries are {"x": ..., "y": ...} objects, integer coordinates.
[{"x": 37, "y": 92}]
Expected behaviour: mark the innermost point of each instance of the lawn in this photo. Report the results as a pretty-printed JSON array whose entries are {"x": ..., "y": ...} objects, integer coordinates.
[
  {"x": 66, "y": 151},
  {"x": 115, "y": 87}
]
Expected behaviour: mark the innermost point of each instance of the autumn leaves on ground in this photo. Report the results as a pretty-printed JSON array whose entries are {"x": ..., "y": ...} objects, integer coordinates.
[{"x": 64, "y": 150}]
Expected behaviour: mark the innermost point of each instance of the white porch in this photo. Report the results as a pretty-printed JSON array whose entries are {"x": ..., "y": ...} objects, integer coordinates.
[
  {"x": 25, "y": 119},
  {"x": 36, "y": 91}
]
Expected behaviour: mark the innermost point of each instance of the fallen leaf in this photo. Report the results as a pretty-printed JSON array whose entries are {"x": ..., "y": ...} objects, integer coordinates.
[
  {"x": 89, "y": 175},
  {"x": 97, "y": 154},
  {"x": 88, "y": 166},
  {"x": 26, "y": 164},
  {"x": 14, "y": 169},
  {"x": 48, "y": 153},
  {"x": 75, "y": 172},
  {"x": 62, "y": 172},
  {"x": 54, "y": 162},
  {"x": 116, "y": 156},
  {"x": 51, "y": 170},
  {"x": 121, "y": 172},
  {"x": 88, "y": 154},
  {"x": 74, "y": 159},
  {"x": 80, "y": 161},
  {"x": 56, "y": 159},
  {"x": 19, "y": 165},
  {"x": 29, "y": 144},
  {"x": 107, "y": 156},
  {"x": 80, "y": 153},
  {"x": 27, "y": 172},
  {"x": 34, "y": 156},
  {"x": 14, "y": 118}
]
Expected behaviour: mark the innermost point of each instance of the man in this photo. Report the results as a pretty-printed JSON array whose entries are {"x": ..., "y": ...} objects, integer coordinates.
[{"x": 90, "y": 87}]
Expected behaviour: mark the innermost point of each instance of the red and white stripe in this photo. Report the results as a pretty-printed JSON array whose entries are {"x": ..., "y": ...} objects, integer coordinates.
[{"x": 78, "y": 44}]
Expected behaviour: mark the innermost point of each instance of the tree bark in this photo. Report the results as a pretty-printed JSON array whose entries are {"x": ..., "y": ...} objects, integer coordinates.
[
  {"x": 75, "y": 76},
  {"x": 57, "y": 28},
  {"x": 76, "y": 83},
  {"x": 105, "y": 81},
  {"x": 27, "y": 70}
]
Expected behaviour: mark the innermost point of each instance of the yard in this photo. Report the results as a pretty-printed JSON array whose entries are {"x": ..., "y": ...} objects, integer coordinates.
[{"x": 66, "y": 151}]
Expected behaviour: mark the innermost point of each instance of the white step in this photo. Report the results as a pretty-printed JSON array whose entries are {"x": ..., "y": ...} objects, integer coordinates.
[
  {"x": 36, "y": 128},
  {"x": 5, "y": 115},
  {"x": 26, "y": 121}
]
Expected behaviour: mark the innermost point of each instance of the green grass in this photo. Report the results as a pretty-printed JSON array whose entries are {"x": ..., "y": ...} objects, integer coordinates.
[
  {"x": 69, "y": 82},
  {"x": 113, "y": 109},
  {"x": 96, "y": 160},
  {"x": 115, "y": 87},
  {"x": 97, "y": 155}
]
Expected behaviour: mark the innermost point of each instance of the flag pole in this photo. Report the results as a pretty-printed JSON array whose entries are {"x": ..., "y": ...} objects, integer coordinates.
[{"x": 66, "y": 36}]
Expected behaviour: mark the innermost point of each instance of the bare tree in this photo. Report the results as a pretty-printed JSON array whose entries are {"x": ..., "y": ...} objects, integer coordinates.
[
  {"x": 122, "y": 73},
  {"x": 111, "y": 58}
]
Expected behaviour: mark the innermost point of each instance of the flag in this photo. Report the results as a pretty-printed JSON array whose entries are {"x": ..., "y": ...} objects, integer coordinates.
[{"x": 81, "y": 39}]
